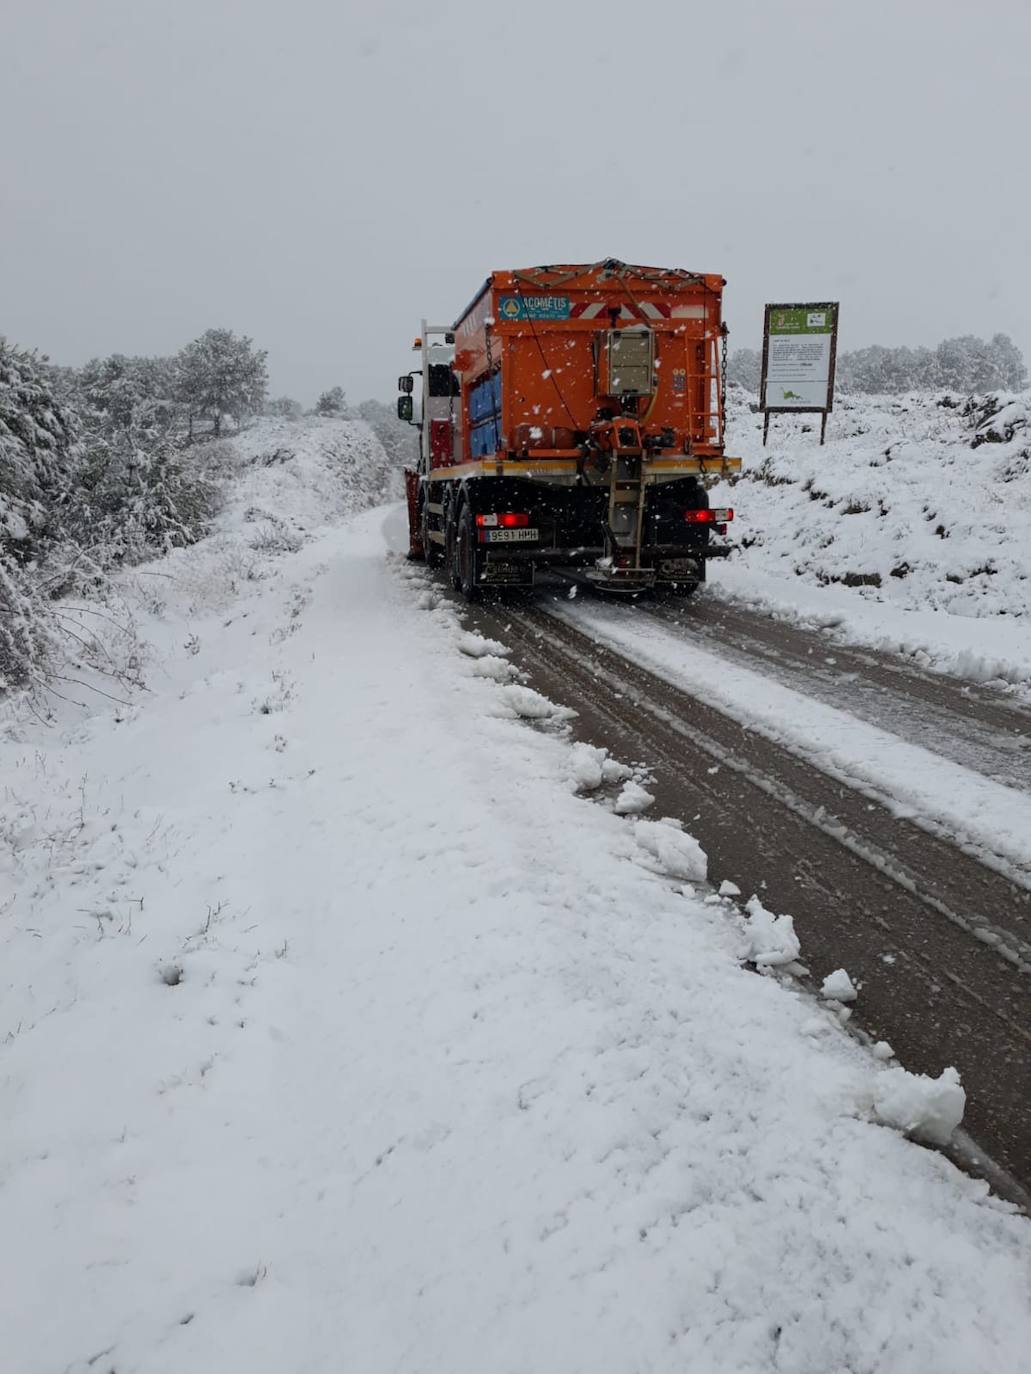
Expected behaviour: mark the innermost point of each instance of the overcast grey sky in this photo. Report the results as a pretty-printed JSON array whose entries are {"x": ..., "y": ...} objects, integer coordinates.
[{"x": 320, "y": 174}]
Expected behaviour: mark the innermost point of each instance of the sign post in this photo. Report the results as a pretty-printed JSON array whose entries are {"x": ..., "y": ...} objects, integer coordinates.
[{"x": 800, "y": 348}]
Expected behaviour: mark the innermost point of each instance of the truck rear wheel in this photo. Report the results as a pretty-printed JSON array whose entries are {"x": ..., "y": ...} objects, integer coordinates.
[
  {"x": 451, "y": 545},
  {"x": 469, "y": 557},
  {"x": 680, "y": 590}
]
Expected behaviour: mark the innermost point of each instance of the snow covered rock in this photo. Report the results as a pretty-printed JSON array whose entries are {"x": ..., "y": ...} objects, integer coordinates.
[
  {"x": 929, "y": 1109},
  {"x": 676, "y": 853},
  {"x": 839, "y": 987},
  {"x": 772, "y": 939},
  {"x": 633, "y": 799}
]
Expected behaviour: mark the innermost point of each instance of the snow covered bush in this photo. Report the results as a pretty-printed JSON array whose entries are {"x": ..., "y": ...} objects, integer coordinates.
[
  {"x": 96, "y": 472},
  {"x": 25, "y": 629},
  {"x": 131, "y": 501},
  {"x": 331, "y": 402},
  {"x": 37, "y": 453}
]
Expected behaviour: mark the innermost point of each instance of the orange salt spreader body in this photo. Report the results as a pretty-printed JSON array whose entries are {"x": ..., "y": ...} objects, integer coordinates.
[{"x": 569, "y": 419}]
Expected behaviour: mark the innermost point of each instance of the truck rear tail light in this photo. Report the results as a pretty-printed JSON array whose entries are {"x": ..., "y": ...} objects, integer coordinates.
[
  {"x": 718, "y": 516},
  {"x": 504, "y": 520},
  {"x": 722, "y": 514}
]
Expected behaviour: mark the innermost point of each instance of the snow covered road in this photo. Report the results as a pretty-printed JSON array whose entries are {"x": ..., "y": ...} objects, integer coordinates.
[
  {"x": 339, "y": 1032},
  {"x": 919, "y": 782},
  {"x": 941, "y": 942}
]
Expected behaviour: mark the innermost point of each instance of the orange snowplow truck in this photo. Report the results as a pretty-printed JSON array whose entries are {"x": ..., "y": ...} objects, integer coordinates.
[{"x": 568, "y": 420}]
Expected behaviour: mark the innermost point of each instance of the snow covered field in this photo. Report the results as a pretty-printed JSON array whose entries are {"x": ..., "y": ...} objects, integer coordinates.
[
  {"x": 346, "y": 1024},
  {"x": 909, "y": 530}
]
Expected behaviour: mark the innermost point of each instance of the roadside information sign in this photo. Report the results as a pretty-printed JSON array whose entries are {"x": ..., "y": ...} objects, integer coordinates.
[{"x": 800, "y": 345}]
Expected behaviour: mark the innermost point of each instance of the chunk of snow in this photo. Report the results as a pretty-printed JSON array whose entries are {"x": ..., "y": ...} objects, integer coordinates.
[
  {"x": 611, "y": 771},
  {"x": 929, "y": 1109},
  {"x": 882, "y": 1050},
  {"x": 494, "y": 667},
  {"x": 677, "y": 853},
  {"x": 839, "y": 987},
  {"x": 587, "y": 766},
  {"x": 633, "y": 799},
  {"x": 729, "y": 889},
  {"x": 476, "y": 646},
  {"x": 531, "y": 705},
  {"x": 772, "y": 939}
]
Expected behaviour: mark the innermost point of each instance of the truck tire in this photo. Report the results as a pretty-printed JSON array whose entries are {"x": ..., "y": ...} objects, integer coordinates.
[
  {"x": 469, "y": 557},
  {"x": 681, "y": 590},
  {"x": 430, "y": 550},
  {"x": 451, "y": 544}
]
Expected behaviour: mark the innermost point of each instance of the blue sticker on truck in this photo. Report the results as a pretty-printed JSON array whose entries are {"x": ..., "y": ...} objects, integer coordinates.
[{"x": 534, "y": 307}]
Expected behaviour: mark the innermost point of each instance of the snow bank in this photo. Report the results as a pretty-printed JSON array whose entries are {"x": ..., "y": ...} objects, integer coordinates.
[{"x": 912, "y": 521}]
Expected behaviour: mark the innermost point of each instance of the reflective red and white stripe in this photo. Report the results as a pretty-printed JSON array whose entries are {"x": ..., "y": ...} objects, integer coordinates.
[{"x": 645, "y": 310}]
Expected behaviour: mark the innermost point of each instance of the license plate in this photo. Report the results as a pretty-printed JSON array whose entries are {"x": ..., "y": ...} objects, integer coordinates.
[{"x": 511, "y": 536}]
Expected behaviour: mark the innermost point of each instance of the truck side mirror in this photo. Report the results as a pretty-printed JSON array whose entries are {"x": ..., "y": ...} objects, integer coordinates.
[
  {"x": 404, "y": 408},
  {"x": 406, "y": 383}
]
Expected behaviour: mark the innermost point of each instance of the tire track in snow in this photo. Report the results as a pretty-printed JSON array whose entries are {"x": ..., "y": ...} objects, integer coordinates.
[{"x": 938, "y": 942}]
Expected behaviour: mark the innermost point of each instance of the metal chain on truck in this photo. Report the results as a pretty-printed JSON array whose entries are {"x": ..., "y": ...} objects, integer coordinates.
[{"x": 723, "y": 380}]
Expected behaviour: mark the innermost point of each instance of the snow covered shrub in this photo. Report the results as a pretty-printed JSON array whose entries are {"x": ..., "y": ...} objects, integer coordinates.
[
  {"x": 273, "y": 535},
  {"x": 37, "y": 453},
  {"x": 131, "y": 502},
  {"x": 25, "y": 629}
]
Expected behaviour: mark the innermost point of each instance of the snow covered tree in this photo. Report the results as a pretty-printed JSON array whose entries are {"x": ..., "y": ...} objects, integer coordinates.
[
  {"x": 37, "y": 451},
  {"x": 743, "y": 367},
  {"x": 286, "y": 407},
  {"x": 1010, "y": 362},
  {"x": 122, "y": 395},
  {"x": 966, "y": 363},
  {"x": 397, "y": 438},
  {"x": 331, "y": 402},
  {"x": 222, "y": 374}
]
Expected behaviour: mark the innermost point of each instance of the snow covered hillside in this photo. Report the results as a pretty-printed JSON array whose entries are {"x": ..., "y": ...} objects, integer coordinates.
[
  {"x": 912, "y": 522},
  {"x": 354, "y": 1017}
]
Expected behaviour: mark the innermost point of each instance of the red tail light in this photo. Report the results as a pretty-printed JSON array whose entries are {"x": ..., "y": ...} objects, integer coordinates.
[
  {"x": 718, "y": 516},
  {"x": 503, "y": 520}
]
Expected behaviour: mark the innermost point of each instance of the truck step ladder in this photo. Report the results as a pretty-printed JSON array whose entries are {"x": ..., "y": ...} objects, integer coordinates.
[{"x": 626, "y": 524}]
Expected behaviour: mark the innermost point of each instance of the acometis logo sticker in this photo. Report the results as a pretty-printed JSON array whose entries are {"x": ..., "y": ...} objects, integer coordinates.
[{"x": 534, "y": 307}]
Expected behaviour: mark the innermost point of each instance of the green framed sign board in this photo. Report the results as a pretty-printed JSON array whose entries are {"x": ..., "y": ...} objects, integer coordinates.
[{"x": 800, "y": 346}]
